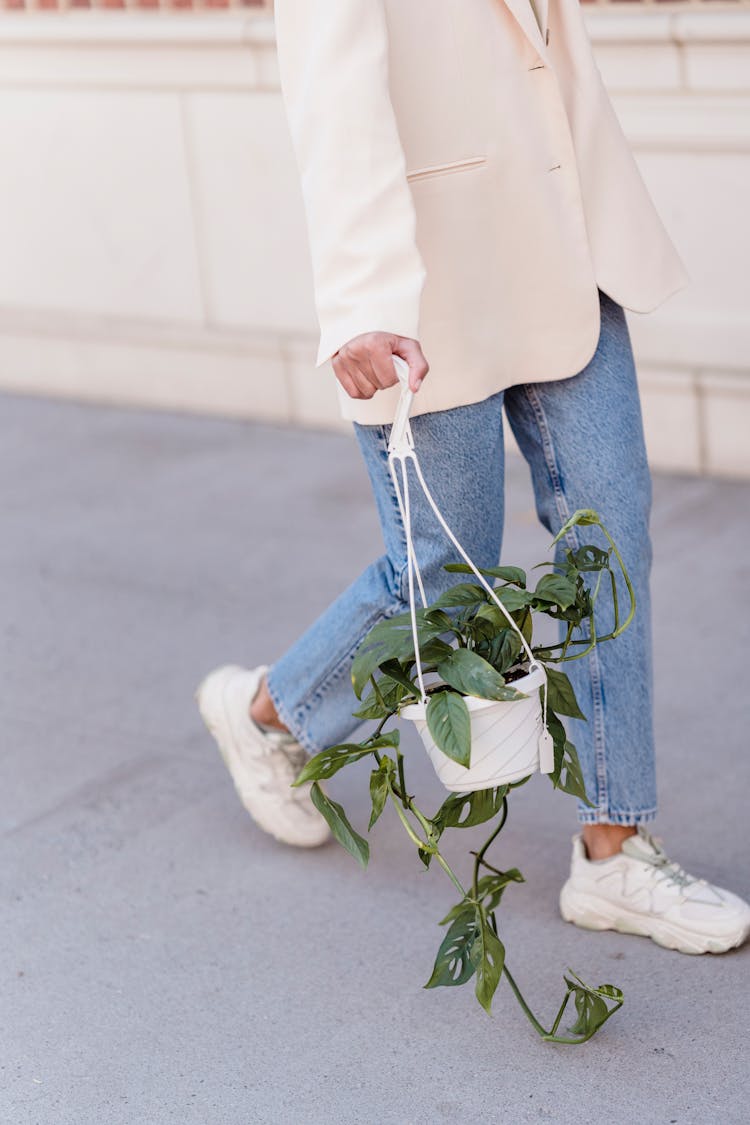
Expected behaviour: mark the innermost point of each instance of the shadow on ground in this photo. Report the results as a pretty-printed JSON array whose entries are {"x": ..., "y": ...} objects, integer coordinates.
[{"x": 164, "y": 961}]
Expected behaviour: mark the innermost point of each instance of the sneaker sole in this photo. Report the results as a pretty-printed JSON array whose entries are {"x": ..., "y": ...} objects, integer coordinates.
[
  {"x": 209, "y": 696},
  {"x": 591, "y": 913}
]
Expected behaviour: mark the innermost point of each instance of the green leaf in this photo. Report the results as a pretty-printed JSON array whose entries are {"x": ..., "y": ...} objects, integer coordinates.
[
  {"x": 380, "y": 787},
  {"x": 470, "y": 674},
  {"x": 453, "y": 964},
  {"x": 366, "y": 664},
  {"x": 434, "y": 651},
  {"x": 513, "y": 599},
  {"x": 334, "y": 758},
  {"x": 385, "y": 701},
  {"x": 491, "y": 887},
  {"x": 611, "y": 991},
  {"x": 464, "y": 810},
  {"x": 555, "y": 726},
  {"x": 502, "y": 648},
  {"x": 488, "y": 955},
  {"x": 448, "y": 723},
  {"x": 355, "y": 844},
  {"x": 567, "y": 774},
  {"x": 391, "y": 640},
  {"x": 512, "y": 574},
  {"x": 465, "y": 593},
  {"x": 591, "y": 1005},
  {"x": 525, "y": 622},
  {"x": 393, "y": 670},
  {"x": 584, "y": 517},
  {"x": 562, "y": 697},
  {"x": 588, "y": 557},
  {"x": 556, "y": 589},
  {"x": 439, "y": 618}
]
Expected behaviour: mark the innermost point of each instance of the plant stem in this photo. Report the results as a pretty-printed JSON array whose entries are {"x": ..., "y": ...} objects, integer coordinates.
[
  {"x": 401, "y": 777},
  {"x": 450, "y": 873},
  {"x": 527, "y": 1010},
  {"x": 480, "y": 854},
  {"x": 402, "y": 817},
  {"x": 377, "y": 692},
  {"x": 379, "y": 727},
  {"x": 424, "y": 845},
  {"x": 559, "y": 1015},
  {"x": 628, "y": 583}
]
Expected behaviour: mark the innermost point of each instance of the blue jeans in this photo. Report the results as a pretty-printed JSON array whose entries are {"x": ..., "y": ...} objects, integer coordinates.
[{"x": 583, "y": 440}]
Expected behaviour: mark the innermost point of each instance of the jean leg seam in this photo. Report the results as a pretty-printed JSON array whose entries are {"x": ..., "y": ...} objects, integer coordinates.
[
  {"x": 296, "y": 721},
  {"x": 563, "y": 511},
  {"x": 617, "y": 816},
  {"x": 287, "y": 718},
  {"x": 399, "y": 575}
]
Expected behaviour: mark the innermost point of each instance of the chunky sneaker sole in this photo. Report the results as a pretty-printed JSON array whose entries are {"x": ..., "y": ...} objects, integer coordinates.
[
  {"x": 593, "y": 913},
  {"x": 262, "y": 764},
  {"x": 640, "y": 890}
]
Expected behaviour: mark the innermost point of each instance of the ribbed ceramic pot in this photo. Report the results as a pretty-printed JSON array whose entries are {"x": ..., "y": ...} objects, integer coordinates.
[{"x": 506, "y": 736}]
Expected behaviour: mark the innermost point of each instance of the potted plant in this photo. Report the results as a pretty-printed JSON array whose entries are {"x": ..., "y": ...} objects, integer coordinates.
[{"x": 443, "y": 667}]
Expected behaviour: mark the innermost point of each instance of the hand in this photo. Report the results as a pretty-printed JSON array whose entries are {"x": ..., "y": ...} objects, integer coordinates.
[{"x": 365, "y": 364}]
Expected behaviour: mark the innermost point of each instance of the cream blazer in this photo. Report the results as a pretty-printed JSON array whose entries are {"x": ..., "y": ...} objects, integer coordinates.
[{"x": 466, "y": 183}]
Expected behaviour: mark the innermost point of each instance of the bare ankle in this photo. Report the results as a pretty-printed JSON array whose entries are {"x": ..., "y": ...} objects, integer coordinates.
[
  {"x": 262, "y": 709},
  {"x": 605, "y": 840}
]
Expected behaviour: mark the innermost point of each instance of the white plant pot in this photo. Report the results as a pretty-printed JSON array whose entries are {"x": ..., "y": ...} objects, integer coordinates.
[{"x": 507, "y": 739}]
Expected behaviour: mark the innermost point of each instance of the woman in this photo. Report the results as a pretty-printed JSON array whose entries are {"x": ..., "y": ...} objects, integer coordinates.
[{"x": 471, "y": 199}]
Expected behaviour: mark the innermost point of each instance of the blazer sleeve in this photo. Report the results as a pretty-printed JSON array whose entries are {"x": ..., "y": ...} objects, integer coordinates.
[{"x": 367, "y": 270}]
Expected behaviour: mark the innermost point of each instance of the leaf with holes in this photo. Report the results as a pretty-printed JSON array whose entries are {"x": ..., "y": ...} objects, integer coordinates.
[
  {"x": 330, "y": 761},
  {"x": 490, "y": 888},
  {"x": 591, "y": 1005},
  {"x": 488, "y": 955},
  {"x": 465, "y": 810},
  {"x": 453, "y": 964}
]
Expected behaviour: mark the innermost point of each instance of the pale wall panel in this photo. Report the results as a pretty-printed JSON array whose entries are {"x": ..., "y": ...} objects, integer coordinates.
[
  {"x": 249, "y": 212},
  {"x": 95, "y": 208}
]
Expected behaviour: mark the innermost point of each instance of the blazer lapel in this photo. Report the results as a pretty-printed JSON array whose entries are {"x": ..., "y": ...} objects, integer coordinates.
[{"x": 524, "y": 13}]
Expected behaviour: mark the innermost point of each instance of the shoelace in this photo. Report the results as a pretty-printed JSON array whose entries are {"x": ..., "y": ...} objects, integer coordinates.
[{"x": 668, "y": 870}]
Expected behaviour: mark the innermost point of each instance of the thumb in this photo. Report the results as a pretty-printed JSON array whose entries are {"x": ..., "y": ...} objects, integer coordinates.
[{"x": 411, "y": 351}]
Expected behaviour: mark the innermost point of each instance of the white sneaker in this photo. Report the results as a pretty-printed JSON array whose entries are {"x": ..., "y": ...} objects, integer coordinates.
[
  {"x": 263, "y": 764},
  {"x": 641, "y": 891}
]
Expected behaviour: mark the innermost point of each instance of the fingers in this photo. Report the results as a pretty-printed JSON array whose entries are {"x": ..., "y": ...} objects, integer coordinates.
[
  {"x": 352, "y": 379},
  {"x": 364, "y": 365},
  {"x": 412, "y": 353},
  {"x": 382, "y": 350}
]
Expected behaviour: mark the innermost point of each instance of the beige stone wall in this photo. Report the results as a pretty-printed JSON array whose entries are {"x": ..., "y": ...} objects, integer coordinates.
[{"x": 153, "y": 241}]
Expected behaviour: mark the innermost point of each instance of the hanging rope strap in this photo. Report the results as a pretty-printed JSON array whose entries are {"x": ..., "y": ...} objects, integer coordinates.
[{"x": 400, "y": 452}]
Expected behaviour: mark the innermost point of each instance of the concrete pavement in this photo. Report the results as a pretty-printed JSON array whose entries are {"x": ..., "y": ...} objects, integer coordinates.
[{"x": 165, "y": 962}]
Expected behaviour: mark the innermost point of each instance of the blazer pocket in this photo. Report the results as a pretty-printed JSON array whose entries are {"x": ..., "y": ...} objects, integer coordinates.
[{"x": 432, "y": 170}]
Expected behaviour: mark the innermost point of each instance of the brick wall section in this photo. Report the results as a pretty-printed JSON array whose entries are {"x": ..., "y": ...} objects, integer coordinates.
[
  {"x": 213, "y": 5},
  {"x": 217, "y": 5},
  {"x": 131, "y": 5}
]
